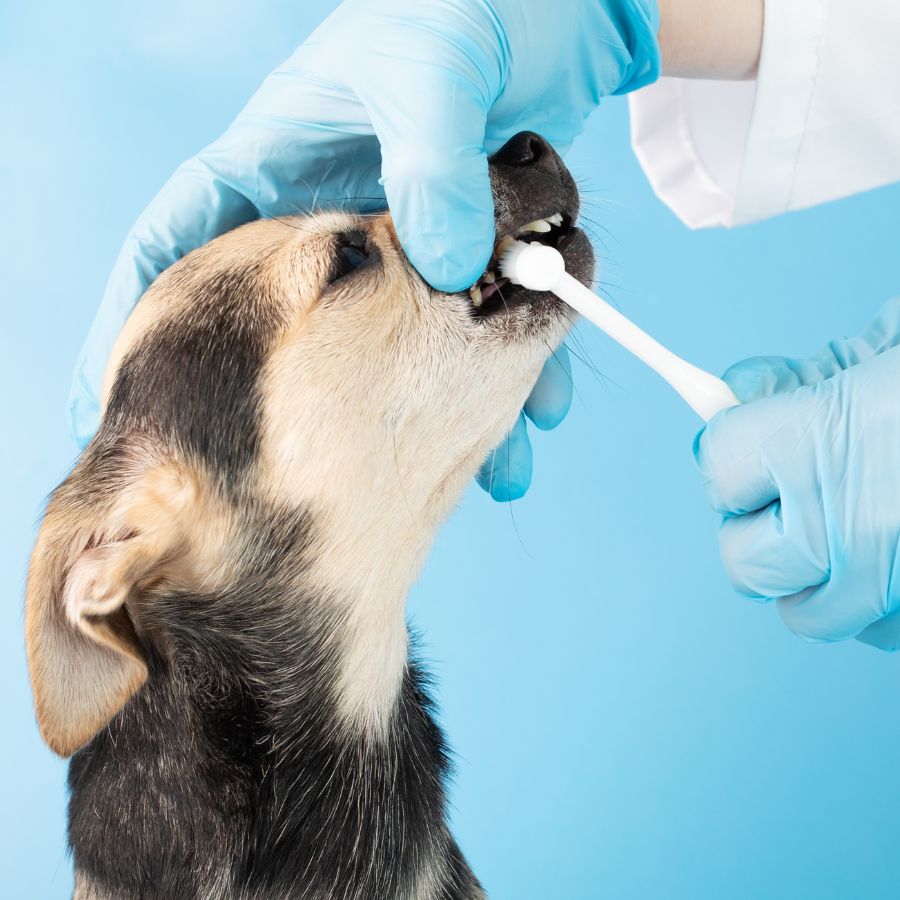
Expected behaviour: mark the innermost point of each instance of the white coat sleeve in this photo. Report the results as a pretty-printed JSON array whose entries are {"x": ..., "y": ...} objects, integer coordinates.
[{"x": 821, "y": 121}]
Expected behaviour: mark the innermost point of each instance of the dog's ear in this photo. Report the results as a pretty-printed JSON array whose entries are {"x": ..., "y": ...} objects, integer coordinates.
[{"x": 98, "y": 547}]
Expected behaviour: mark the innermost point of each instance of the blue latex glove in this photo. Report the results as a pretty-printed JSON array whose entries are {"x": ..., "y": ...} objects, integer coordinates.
[
  {"x": 807, "y": 479},
  {"x": 397, "y": 100}
]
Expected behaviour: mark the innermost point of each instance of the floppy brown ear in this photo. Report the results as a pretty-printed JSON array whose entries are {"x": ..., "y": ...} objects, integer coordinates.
[{"x": 84, "y": 655}]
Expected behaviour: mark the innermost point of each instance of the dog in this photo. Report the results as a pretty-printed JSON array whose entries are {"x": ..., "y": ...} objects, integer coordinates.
[{"x": 215, "y": 617}]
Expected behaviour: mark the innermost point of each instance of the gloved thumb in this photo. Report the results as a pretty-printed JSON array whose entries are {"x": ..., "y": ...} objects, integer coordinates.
[
  {"x": 430, "y": 121},
  {"x": 444, "y": 216},
  {"x": 738, "y": 450}
]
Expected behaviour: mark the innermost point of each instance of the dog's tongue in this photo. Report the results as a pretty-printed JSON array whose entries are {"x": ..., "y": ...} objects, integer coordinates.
[{"x": 488, "y": 290}]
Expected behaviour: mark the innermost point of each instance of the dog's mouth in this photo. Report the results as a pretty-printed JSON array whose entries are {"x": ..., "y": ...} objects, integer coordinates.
[{"x": 493, "y": 293}]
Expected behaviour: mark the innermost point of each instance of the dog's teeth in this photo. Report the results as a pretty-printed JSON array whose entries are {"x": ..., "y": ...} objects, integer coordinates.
[
  {"x": 555, "y": 219},
  {"x": 475, "y": 294},
  {"x": 489, "y": 277},
  {"x": 541, "y": 226},
  {"x": 503, "y": 245}
]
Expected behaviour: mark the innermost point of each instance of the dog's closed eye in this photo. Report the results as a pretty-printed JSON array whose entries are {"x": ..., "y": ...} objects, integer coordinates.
[{"x": 352, "y": 254}]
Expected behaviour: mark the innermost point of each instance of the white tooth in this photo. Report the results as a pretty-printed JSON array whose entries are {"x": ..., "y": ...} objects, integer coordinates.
[
  {"x": 503, "y": 245},
  {"x": 475, "y": 294},
  {"x": 539, "y": 225},
  {"x": 489, "y": 277},
  {"x": 555, "y": 219}
]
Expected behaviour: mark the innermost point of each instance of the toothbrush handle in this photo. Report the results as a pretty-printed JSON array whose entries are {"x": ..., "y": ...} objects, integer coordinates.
[{"x": 703, "y": 392}]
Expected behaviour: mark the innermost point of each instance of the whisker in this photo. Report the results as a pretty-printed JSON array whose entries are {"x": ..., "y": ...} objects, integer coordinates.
[
  {"x": 512, "y": 515},
  {"x": 556, "y": 357},
  {"x": 586, "y": 361},
  {"x": 399, "y": 476},
  {"x": 582, "y": 354},
  {"x": 602, "y": 378},
  {"x": 602, "y": 288},
  {"x": 603, "y": 200},
  {"x": 505, "y": 304},
  {"x": 595, "y": 239},
  {"x": 576, "y": 335},
  {"x": 575, "y": 390},
  {"x": 265, "y": 215},
  {"x": 491, "y": 475},
  {"x": 601, "y": 227}
]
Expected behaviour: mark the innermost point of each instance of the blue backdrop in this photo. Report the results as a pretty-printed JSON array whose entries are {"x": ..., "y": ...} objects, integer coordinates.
[{"x": 625, "y": 727}]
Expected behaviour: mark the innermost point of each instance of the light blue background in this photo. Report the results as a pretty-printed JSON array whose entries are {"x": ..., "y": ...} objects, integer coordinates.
[{"x": 625, "y": 727}]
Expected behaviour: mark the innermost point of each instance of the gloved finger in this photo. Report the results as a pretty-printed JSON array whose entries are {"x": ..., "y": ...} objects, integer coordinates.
[
  {"x": 762, "y": 376},
  {"x": 506, "y": 473},
  {"x": 883, "y": 634},
  {"x": 882, "y": 333},
  {"x": 551, "y": 397},
  {"x": 428, "y": 104},
  {"x": 737, "y": 450},
  {"x": 728, "y": 454},
  {"x": 768, "y": 554},
  {"x": 823, "y": 613},
  {"x": 192, "y": 208}
]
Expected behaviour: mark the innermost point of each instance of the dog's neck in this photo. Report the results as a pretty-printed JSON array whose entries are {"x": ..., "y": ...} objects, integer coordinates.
[
  {"x": 244, "y": 762},
  {"x": 367, "y": 572},
  {"x": 369, "y": 544}
]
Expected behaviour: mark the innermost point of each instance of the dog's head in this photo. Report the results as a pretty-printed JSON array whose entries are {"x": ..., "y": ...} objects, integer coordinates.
[{"x": 290, "y": 367}]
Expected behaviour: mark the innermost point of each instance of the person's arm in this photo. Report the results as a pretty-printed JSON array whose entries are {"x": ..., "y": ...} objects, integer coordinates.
[
  {"x": 803, "y": 472},
  {"x": 710, "y": 38},
  {"x": 395, "y": 102},
  {"x": 817, "y": 122}
]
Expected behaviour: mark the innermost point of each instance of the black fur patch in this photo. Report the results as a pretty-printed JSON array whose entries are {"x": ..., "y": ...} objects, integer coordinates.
[
  {"x": 230, "y": 774},
  {"x": 193, "y": 380}
]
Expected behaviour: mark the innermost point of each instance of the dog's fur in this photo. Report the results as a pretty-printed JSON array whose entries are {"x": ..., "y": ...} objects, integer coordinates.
[{"x": 215, "y": 607}]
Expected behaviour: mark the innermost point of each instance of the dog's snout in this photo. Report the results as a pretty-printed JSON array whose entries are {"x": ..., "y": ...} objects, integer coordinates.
[
  {"x": 527, "y": 149},
  {"x": 530, "y": 182}
]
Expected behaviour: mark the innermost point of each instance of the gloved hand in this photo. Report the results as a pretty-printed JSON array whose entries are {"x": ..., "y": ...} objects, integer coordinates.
[
  {"x": 807, "y": 480},
  {"x": 399, "y": 100}
]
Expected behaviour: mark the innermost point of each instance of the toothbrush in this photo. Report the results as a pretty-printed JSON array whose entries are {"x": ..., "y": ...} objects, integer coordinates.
[{"x": 538, "y": 267}]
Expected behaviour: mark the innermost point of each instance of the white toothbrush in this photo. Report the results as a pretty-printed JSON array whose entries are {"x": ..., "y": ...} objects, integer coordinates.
[{"x": 538, "y": 267}]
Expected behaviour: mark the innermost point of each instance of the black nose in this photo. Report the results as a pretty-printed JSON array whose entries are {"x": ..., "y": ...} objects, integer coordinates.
[{"x": 527, "y": 149}]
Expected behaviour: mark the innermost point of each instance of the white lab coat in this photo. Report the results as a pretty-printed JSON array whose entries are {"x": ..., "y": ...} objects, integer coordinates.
[{"x": 821, "y": 121}]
